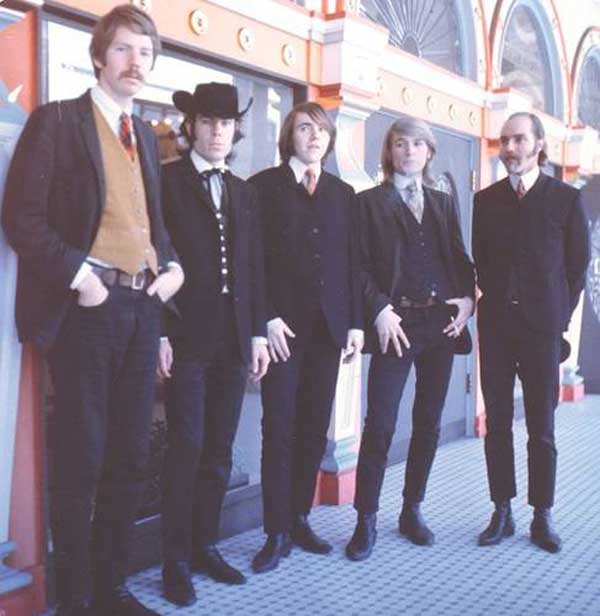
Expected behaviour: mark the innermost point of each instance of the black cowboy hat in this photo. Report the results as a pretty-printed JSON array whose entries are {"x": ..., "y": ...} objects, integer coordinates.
[{"x": 213, "y": 100}]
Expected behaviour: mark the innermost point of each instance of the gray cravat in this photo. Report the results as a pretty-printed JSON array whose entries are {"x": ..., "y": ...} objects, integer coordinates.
[{"x": 414, "y": 200}]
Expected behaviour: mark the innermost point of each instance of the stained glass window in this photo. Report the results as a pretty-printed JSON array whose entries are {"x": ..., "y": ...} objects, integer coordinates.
[
  {"x": 589, "y": 91},
  {"x": 525, "y": 63},
  {"x": 429, "y": 29}
]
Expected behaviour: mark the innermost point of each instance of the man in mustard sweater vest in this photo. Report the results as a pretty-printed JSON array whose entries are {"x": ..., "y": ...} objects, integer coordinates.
[{"x": 82, "y": 211}]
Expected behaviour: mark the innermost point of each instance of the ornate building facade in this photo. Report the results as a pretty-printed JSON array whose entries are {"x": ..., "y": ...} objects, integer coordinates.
[{"x": 461, "y": 65}]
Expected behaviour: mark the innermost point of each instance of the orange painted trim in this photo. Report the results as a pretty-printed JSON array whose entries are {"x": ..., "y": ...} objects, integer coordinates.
[
  {"x": 487, "y": 47},
  {"x": 572, "y": 393},
  {"x": 335, "y": 488},
  {"x": 564, "y": 65},
  {"x": 480, "y": 427}
]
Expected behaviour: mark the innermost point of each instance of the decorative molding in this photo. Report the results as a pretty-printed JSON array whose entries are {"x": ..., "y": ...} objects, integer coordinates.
[
  {"x": 289, "y": 55},
  {"x": 199, "y": 22},
  {"x": 246, "y": 39}
]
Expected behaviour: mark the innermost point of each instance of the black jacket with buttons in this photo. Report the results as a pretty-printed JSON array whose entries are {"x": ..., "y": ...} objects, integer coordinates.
[
  {"x": 543, "y": 240},
  {"x": 311, "y": 251},
  {"x": 193, "y": 225}
]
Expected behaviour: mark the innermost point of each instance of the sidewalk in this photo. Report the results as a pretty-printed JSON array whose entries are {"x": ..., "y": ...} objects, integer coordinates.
[{"x": 455, "y": 576}]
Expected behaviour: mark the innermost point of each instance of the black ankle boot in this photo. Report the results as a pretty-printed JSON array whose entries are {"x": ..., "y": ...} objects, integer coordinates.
[
  {"x": 364, "y": 537},
  {"x": 306, "y": 538},
  {"x": 501, "y": 525},
  {"x": 412, "y": 525},
  {"x": 276, "y": 547},
  {"x": 542, "y": 533}
]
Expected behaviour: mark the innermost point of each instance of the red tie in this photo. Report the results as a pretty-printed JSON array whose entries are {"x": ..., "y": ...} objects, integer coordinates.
[
  {"x": 521, "y": 191},
  {"x": 125, "y": 135},
  {"x": 311, "y": 180}
]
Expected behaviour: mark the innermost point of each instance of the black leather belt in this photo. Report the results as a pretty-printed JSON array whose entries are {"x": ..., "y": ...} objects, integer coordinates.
[
  {"x": 112, "y": 276},
  {"x": 405, "y": 302}
]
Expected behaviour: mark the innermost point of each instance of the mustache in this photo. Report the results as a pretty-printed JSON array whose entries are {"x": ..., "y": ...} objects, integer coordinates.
[{"x": 131, "y": 74}]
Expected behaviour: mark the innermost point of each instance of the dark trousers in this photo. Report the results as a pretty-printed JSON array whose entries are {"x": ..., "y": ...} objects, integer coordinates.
[
  {"x": 509, "y": 347},
  {"x": 103, "y": 368},
  {"x": 297, "y": 398},
  {"x": 203, "y": 403},
  {"x": 432, "y": 353}
]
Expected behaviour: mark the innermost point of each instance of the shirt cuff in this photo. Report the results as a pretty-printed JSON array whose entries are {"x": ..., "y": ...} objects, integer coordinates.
[
  {"x": 388, "y": 307},
  {"x": 82, "y": 272},
  {"x": 175, "y": 264},
  {"x": 359, "y": 332},
  {"x": 164, "y": 338},
  {"x": 260, "y": 340}
]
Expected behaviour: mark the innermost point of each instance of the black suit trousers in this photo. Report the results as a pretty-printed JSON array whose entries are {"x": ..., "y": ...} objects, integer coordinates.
[
  {"x": 203, "y": 404},
  {"x": 103, "y": 368},
  {"x": 509, "y": 347},
  {"x": 297, "y": 398},
  {"x": 432, "y": 354}
]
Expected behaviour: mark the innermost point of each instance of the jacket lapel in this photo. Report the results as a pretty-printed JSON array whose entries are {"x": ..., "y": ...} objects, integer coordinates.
[
  {"x": 92, "y": 142},
  {"x": 391, "y": 203},
  {"x": 149, "y": 163},
  {"x": 433, "y": 201},
  {"x": 192, "y": 179}
]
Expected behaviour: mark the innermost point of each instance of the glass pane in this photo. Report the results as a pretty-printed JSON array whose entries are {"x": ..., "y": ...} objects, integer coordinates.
[
  {"x": 525, "y": 63},
  {"x": 428, "y": 29},
  {"x": 589, "y": 92}
]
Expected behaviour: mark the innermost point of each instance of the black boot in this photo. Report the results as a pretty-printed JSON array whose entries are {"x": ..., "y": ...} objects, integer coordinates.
[
  {"x": 412, "y": 525},
  {"x": 209, "y": 560},
  {"x": 177, "y": 583},
  {"x": 304, "y": 536},
  {"x": 501, "y": 525},
  {"x": 276, "y": 547},
  {"x": 542, "y": 533},
  {"x": 364, "y": 537}
]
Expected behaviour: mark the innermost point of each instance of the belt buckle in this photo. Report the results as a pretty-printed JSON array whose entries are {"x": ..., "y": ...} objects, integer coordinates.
[{"x": 138, "y": 280}]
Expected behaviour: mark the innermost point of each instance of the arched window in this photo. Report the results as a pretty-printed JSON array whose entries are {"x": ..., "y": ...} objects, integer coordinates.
[
  {"x": 588, "y": 108},
  {"x": 440, "y": 31},
  {"x": 529, "y": 60}
]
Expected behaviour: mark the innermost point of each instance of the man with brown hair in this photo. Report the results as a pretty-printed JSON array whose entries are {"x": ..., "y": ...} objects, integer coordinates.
[
  {"x": 314, "y": 311},
  {"x": 531, "y": 249},
  {"x": 82, "y": 210}
]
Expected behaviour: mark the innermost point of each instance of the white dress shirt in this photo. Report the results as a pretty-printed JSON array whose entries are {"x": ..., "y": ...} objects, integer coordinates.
[{"x": 529, "y": 179}]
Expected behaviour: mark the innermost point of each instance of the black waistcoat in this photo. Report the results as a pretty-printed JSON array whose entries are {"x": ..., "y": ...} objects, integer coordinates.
[{"x": 426, "y": 273}]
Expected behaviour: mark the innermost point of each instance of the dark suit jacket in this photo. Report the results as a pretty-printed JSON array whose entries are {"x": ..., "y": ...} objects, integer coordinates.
[
  {"x": 193, "y": 227},
  {"x": 281, "y": 199},
  {"x": 55, "y": 193},
  {"x": 551, "y": 242},
  {"x": 384, "y": 251}
]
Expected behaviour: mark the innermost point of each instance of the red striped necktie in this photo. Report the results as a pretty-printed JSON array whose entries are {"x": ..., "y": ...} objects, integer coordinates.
[{"x": 126, "y": 136}]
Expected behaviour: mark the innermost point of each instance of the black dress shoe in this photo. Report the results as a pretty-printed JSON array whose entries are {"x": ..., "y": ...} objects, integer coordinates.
[
  {"x": 74, "y": 608},
  {"x": 177, "y": 583},
  {"x": 542, "y": 533},
  {"x": 120, "y": 602},
  {"x": 412, "y": 525},
  {"x": 304, "y": 536},
  {"x": 209, "y": 560},
  {"x": 501, "y": 525},
  {"x": 276, "y": 547},
  {"x": 364, "y": 537}
]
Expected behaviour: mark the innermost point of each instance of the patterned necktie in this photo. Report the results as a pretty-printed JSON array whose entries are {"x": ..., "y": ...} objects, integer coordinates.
[
  {"x": 311, "y": 180},
  {"x": 521, "y": 190},
  {"x": 414, "y": 200},
  {"x": 126, "y": 136}
]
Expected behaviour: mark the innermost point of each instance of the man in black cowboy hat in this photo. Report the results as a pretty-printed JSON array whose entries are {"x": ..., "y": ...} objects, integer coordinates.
[{"x": 212, "y": 218}]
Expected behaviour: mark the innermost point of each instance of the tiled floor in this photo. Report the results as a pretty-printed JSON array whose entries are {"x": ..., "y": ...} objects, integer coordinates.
[{"x": 453, "y": 577}]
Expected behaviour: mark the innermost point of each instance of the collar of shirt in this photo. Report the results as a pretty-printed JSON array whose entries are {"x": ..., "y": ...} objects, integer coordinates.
[
  {"x": 401, "y": 182},
  {"x": 109, "y": 109},
  {"x": 299, "y": 169},
  {"x": 529, "y": 179},
  {"x": 201, "y": 164}
]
